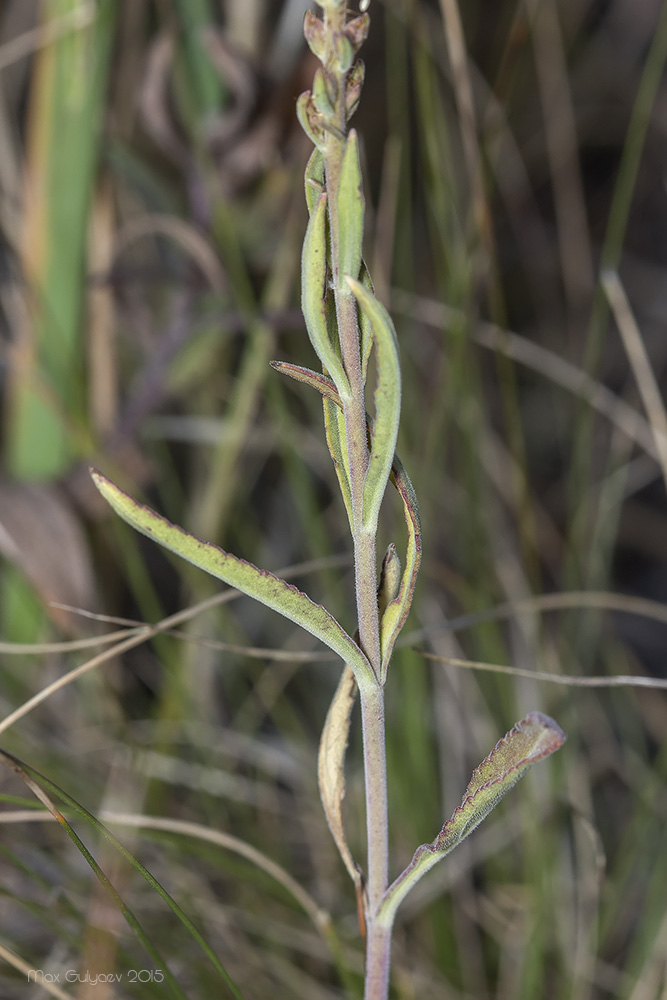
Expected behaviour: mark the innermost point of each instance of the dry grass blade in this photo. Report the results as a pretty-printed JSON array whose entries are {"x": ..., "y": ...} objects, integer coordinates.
[
  {"x": 30, "y": 41},
  {"x": 138, "y": 636},
  {"x": 8, "y": 956},
  {"x": 68, "y": 646},
  {"x": 601, "y": 600},
  {"x": 193, "y": 243},
  {"x": 466, "y": 108},
  {"x": 561, "y": 143},
  {"x": 541, "y": 360},
  {"x": 567, "y": 681},
  {"x": 640, "y": 364}
]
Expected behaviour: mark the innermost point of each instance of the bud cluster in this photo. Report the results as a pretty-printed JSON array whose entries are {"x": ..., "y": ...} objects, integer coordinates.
[{"x": 327, "y": 108}]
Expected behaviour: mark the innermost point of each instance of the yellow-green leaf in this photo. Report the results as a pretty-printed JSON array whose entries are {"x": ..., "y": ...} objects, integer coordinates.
[
  {"x": 263, "y": 586},
  {"x": 387, "y": 403},
  {"x": 313, "y": 294},
  {"x": 531, "y": 740},
  {"x": 394, "y": 615},
  {"x": 350, "y": 209},
  {"x": 334, "y": 429},
  {"x": 314, "y": 179}
]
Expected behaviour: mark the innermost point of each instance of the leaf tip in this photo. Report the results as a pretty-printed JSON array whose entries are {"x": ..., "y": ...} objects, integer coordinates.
[
  {"x": 98, "y": 478},
  {"x": 550, "y": 736}
]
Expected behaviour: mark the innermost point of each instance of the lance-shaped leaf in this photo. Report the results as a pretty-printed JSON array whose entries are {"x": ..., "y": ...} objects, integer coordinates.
[
  {"x": 387, "y": 403},
  {"x": 334, "y": 424},
  {"x": 318, "y": 381},
  {"x": 313, "y": 295},
  {"x": 395, "y": 614},
  {"x": 390, "y": 578},
  {"x": 331, "y": 765},
  {"x": 313, "y": 30},
  {"x": 322, "y": 96},
  {"x": 266, "y": 588},
  {"x": 355, "y": 82},
  {"x": 364, "y": 323},
  {"x": 350, "y": 209},
  {"x": 314, "y": 179},
  {"x": 531, "y": 740},
  {"x": 310, "y": 119},
  {"x": 334, "y": 430}
]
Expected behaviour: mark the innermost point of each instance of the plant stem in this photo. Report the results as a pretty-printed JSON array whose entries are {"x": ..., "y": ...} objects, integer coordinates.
[
  {"x": 365, "y": 550},
  {"x": 354, "y": 409},
  {"x": 375, "y": 768},
  {"x": 377, "y": 962}
]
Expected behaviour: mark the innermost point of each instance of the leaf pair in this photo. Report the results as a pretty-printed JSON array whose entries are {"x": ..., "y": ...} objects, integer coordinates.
[
  {"x": 396, "y": 611},
  {"x": 338, "y": 252}
]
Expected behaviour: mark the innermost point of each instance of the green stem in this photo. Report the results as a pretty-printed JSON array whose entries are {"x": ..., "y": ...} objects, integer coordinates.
[
  {"x": 365, "y": 554},
  {"x": 365, "y": 579},
  {"x": 354, "y": 409},
  {"x": 375, "y": 768},
  {"x": 378, "y": 954},
  {"x": 378, "y": 940}
]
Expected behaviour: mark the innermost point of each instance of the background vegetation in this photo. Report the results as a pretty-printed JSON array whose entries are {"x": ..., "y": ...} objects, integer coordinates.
[{"x": 151, "y": 214}]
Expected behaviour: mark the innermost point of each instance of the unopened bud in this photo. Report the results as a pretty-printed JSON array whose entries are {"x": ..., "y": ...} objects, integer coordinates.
[
  {"x": 356, "y": 31},
  {"x": 313, "y": 30},
  {"x": 355, "y": 82}
]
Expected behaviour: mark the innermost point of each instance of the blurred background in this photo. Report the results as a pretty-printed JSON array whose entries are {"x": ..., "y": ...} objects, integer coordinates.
[{"x": 151, "y": 221}]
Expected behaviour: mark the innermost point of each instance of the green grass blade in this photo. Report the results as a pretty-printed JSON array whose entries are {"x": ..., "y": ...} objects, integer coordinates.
[
  {"x": 47, "y": 395},
  {"x": 36, "y": 782}
]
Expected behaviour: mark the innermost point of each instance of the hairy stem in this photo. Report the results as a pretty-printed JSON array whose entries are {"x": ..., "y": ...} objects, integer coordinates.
[
  {"x": 378, "y": 953},
  {"x": 375, "y": 768},
  {"x": 347, "y": 320},
  {"x": 365, "y": 552}
]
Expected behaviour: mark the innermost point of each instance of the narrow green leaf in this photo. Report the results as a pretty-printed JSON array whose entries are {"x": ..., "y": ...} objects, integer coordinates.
[
  {"x": 396, "y": 612},
  {"x": 334, "y": 424},
  {"x": 364, "y": 324},
  {"x": 321, "y": 96},
  {"x": 534, "y": 738},
  {"x": 314, "y": 179},
  {"x": 313, "y": 294},
  {"x": 263, "y": 586},
  {"x": 390, "y": 578},
  {"x": 318, "y": 381},
  {"x": 387, "y": 403},
  {"x": 334, "y": 429},
  {"x": 350, "y": 208}
]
